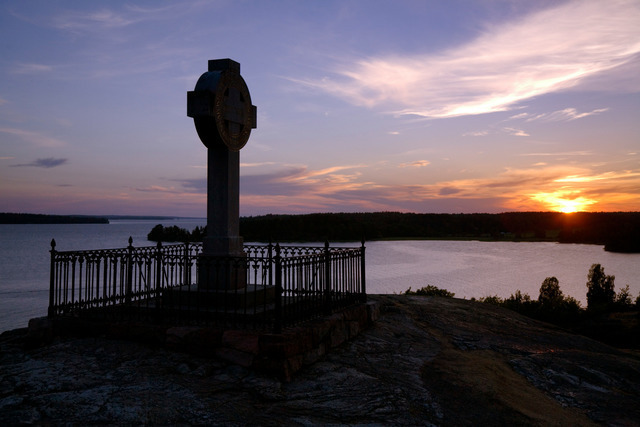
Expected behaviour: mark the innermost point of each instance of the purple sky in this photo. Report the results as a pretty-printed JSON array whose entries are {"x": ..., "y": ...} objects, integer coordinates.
[{"x": 452, "y": 106}]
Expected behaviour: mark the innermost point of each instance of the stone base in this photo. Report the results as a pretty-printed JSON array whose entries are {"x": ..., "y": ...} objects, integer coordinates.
[
  {"x": 195, "y": 296},
  {"x": 279, "y": 354},
  {"x": 222, "y": 272}
]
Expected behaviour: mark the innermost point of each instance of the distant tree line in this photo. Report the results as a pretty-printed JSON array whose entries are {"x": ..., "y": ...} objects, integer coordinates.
[
  {"x": 23, "y": 218},
  {"x": 159, "y": 233},
  {"x": 618, "y": 231}
]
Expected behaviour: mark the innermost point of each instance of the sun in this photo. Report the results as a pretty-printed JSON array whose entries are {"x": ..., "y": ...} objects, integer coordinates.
[
  {"x": 564, "y": 201},
  {"x": 569, "y": 206}
]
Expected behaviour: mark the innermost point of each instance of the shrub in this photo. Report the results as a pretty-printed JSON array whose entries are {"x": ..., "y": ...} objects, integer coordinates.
[
  {"x": 492, "y": 299},
  {"x": 623, "y": 299},
  {"x": 431, "y": 291},
  {"x": 551, "y": 306},
  {"x": 571, "y": 304},
  {"x": 521, "y": 303},
  {"x": 519, "y": 298}
]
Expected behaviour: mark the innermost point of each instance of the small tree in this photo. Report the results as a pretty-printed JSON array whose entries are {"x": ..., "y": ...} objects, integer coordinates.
[
  {"x": 600, "y": 288},
  {"x": 521, "y": 303},
  {"x": 623, "y": 298},
  {"x": 519, "y": 298},
  {"x": 550, "y": 293}
]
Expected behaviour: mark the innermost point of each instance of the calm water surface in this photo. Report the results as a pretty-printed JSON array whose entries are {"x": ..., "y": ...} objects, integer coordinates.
[{"x": 468, "y": 268}]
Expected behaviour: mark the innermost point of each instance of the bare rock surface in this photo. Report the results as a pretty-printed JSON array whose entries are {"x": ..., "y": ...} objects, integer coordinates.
[{"x": 426, "y": 361}]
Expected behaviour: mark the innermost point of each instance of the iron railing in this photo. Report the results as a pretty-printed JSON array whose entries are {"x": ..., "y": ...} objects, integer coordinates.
[{"x": 269, "y": 287}]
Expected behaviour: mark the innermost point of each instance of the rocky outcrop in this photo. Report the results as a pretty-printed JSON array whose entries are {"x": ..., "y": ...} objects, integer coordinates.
[{"x": 426, "y": 361}]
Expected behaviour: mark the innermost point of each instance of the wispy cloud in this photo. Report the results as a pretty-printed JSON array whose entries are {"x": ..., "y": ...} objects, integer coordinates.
[
  {"x": 110, "y": 18},
  {"x": 476, "y": 133},
  {"x": 34, "y": 138},
  {"x": 416, "y": 164},
  {"x": 31, "y": 68},
  {"x": 300, "y": 179},
  {"x": 47, "y": 163},
  {"x": 561, "y": 153},
  {"x": 567, "y": 114},
  {"x": 448, "y": 191},
  {"x": 256, "y": 164},
  {"x": 195, "y": 185},
  {"x": 545, "y": 52},
  {"x": 610, "y": 176},
  {"x": 89, "y": 20},
  {"x": 508, "y": 130},
  {"x": 157, "y": 189},
  {"x": 515, "y": 132}
]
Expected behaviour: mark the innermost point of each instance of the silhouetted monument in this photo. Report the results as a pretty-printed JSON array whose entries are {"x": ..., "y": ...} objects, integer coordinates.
[
  {"x": 223, "y": 116},
  {"x": 263, "y": 288}
]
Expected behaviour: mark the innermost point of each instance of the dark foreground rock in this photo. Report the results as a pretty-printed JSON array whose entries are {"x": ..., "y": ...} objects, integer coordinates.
[{"x": 426, "y": 361}]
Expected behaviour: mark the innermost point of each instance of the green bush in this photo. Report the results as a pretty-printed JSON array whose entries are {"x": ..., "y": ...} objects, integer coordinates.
[
  {"x": 521, "y": 303},
  {"x": 623, "y": 299},
  {"x": 551, "y": 305},
  {"x": 492, "y": 299},
  {"x": 431, "y": 291}
]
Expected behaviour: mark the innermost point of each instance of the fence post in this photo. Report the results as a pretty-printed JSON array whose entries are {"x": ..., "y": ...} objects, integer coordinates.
[
  {"x": 362, "y": 273},
  {"x": 327, "y": 278},
  {"x": 158, "y": 268},
  {"x": 52, "y": 274},
  {"x": 186, "y": 276},
  {"x": 277, "y": 326},
  {"x": 270, "y": 261},
  {"x": 129, "y": 270}
]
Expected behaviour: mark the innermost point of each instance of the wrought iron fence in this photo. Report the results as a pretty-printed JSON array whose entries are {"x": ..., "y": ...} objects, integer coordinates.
[{"x": 269, "y": 287}]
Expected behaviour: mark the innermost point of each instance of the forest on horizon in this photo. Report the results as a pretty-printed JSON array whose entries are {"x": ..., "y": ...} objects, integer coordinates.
[
  {"x": 28, "y": 218},
  {"x": 618, "y": 231}
]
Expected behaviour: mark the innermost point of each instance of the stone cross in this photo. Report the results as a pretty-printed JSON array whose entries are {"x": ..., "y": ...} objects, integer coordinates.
[{"x": 223, "y": 116}]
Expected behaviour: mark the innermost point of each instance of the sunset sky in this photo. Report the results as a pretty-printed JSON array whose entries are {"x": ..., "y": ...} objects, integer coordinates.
[{"x": 363, "y": 105}]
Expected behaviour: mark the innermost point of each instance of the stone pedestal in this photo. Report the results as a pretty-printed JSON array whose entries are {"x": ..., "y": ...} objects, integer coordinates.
[{"x": 221, "y": 272}]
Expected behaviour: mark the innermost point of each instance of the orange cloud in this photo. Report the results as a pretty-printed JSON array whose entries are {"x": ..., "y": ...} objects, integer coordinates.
[
  {"x": 539, "y": 188},
  {"x": 416, "y": 164}
]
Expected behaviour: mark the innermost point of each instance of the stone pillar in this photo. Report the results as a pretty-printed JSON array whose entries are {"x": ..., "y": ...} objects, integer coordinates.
[
  {"x": 223, "y": 204},
  {"x": 223, "y": 116}
]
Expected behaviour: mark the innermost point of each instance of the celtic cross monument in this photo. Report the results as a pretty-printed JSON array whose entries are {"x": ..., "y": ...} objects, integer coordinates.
[{"x": 223, "y": 116}]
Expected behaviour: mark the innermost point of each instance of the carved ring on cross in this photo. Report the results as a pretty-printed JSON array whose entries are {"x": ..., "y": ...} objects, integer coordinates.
[
  {"x": 232, "y": 111},
  {"x": 221, "y": 106}
]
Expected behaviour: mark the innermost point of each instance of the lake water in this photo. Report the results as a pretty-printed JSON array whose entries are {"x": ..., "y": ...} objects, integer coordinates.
[{"x": 468, "y": 268}]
